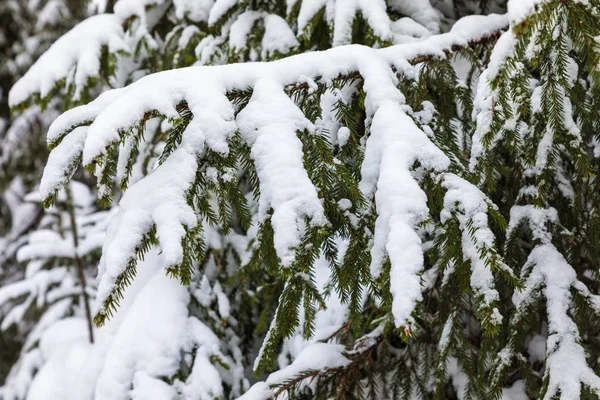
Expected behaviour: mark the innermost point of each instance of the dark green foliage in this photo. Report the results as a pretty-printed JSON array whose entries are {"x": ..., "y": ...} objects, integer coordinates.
[{"x": 534, "y": 166}]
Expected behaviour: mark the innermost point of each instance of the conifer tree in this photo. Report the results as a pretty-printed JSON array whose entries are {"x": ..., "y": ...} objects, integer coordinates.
[
  {"x": 59, "y": 256},
  {"x": 401, "y": 203},
  {"x": 27, "y": 28}
]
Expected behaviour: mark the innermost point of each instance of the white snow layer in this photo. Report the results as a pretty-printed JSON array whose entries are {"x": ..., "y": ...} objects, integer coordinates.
[
  {"x": 470, "y": 206},
  {"x": 341, "y": 14},
  {"x": 485, "y": 98},
  {"x": 374, "y": 11},
  {"x": 196, "y": 11},
  {"x": 395, "y": 144},
  {"x": 143, "y": 344},
  {"x": 64, "y": 159},
  {"x": 419, "y": 10},
  {"x": 318, "y": 357},
  {"x": 75, "y": 57},
  {"x": 219, "y": 9},
  {"x": 268, "y": 125},
  {"x": 519, "y": 10},
  {"x": 566, "y": 365},
  {"x": 118, "y": 368},
  {"x": 278, "y": 36},
  {"x": 546, "y": 270},
  {"x": 143, "y": 207}
]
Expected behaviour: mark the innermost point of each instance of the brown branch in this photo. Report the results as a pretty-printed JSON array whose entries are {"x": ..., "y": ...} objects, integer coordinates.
[
  {"x": 357, "y": 357},
  {"x": 79, "y": 263}
]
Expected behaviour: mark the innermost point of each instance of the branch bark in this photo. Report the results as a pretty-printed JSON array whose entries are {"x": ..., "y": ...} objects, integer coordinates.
[{"x": 79, "y": 263}]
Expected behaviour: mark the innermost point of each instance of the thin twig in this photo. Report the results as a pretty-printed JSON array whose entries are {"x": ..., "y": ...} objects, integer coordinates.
[{"x": 79, "y": 263}]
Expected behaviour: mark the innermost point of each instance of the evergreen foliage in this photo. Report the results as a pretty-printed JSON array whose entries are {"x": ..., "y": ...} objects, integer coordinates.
[
  {"x": 27, "y": 29},
  {"x": 404, "y": 214}
]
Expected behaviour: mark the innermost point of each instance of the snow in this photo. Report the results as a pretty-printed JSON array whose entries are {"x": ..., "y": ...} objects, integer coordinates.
[
  {"x": 62, "y": 342},
  {"x": 268, "y": 125},
  {"x": 374, "y": 11},
  {"x": 318, "y": 357},
  {"x": 63, "y": 162},
  {"x": 154, "y": 351},
  {"x": 406, "y": 30},
  {"x": 186, "y": 35},
  {"x": 446, "y": 333},
  {"x": 344, "y": 204},
  {"x": 132, "y": 354},
  {"x": 308, "y": 9},
  {"x": 566, "y": 365},
  {"x": 204, "y": 381},
  {"x": 394, "y": 145},
  {"x": 420, "y": 11},
  {"x": 519, "y": 10},
  {"x": 517, "y": 391},
  {"x": 546, "y": 270},
  {"x": 196, "y": 11},
  {"x": 128, "y": 107},
  {"x": 278, "y": 36},
  {"x": 269, "y": 118},
  {"x": 543, "y": 151},
  {"x": 45, "y": 244},
  {"x": 219, "y": 9},
  {"x": 460, "y": 380},
  {"x": 536, "y": 347},
  {"x": 327, "y": 321},
  {"x": 152, "y": 336},
  {"x": 537, "y": 219},
  {"x": 148, "y": 388},
  {"x": 64, "y": 347},
  {"x": 74, "y": 57},
  {"x": 342, "y": 13},
  {"x": 241, "y": 28},
  {"x": 66, "y": 122},
  {"x": 470, "y": 206},
  {"x": 20, "y": 380},
  {"x": 142, "y": 207},
  {"x": 258, "y": 391},
  {"x": 22, "y": 132},
  {"x": 54, "y": 291},
  {"x": 546, "y": 144},
  {"x": 52, "y": 13},
  {"x": 39, "y": 283},
  {"x": 536, "y": 100},
  {"x": 222, "y": 301},
  {"x": 343, "y": 134},
  {"x": 479, "y": 26},
  {"x": 22, "y": 211},
  {"x": 483, "y": 105},
  {"x": 125, "y": 9}
]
